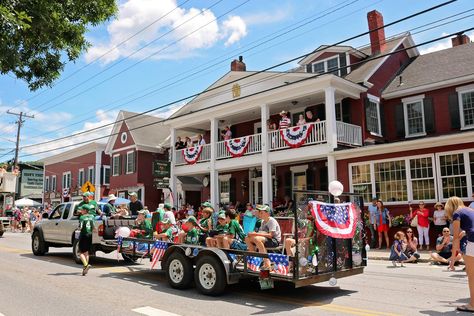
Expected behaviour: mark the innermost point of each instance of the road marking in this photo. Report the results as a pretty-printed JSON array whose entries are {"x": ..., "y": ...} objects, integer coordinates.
[
  {"x": 14, "y": 250},
  {"x": 150, "y": 311}
]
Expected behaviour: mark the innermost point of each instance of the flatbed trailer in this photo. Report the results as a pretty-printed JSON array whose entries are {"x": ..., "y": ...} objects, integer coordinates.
[{"x": 212, "y": 269}]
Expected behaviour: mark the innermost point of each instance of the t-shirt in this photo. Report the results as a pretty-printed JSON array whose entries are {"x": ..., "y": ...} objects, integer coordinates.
[
  {"x": 170, "y": 215},
  {"x": 169, "y": 233},
  {"x": 440, "y": 217},
  {"x": 147, "y": 230},
  {"x": 373, "y": 213},
  {"x": 271, "y": 226},
  {"x": 236, "y": 230},
  {"x": 134, "y": 207},
  {"x": 91, "y": 206},
  {"x": 466, "y": 216},
  {"x": 285, "y": 122},
  {"x": 222, "y": 229},
  {"x": 86, "y": 224},
  {"x": 192, "y": 237},
  {"x": 471, "y": 205},
  {"x": 204, "y": 222},
  {"x": 423, "y": 220},
  {"x": 446, "y": 248}
]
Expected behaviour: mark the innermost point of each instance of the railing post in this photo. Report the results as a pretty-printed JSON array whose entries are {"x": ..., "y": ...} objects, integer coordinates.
[
  {"x": 214, "y": 180},
  {"x": 330, "y": 105},
  {"x": 172, "y": 164},
  {"x": 266, "y": 168}
]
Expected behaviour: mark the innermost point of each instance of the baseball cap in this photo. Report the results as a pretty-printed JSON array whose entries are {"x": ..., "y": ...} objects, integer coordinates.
[
  {"x": 265, "y": 208},
  {"x": 207, "y": 204},
  {"x": 142, "y": 212},
  {"x": 87, "y": 194},
  {"x": 192, "y": 219},
  {"x": 221, "y": 215},
  {"x": 166, "y": 205}
]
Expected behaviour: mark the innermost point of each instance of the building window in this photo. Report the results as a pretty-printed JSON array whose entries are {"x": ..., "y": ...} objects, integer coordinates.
[
  {"x": 224, "y": 186},
  {"x": 67, "y": 180},
  {"x": 116, "y": 165},
  {"x": 318, "y": 68},
  {"x": 373, "y": 116},
  {"x": 46, "y": 184},
  {"x": 338, "y": 108},
  {"x": 390, "y": 181},
  {"x": 467, "y": 109},
  {"x": 414, "y": 116},
  {"x": 91, "y": 175},
  {"x": 453, "y": 175},
  {"x": 330, "y": 65},
  {"x": 106, "y": 175},
  {"x": 422, "y": 179},
  {"x": 80, "y": 178},
  {"x": 53, "y": 183},
  {"x": 471, "y": 159},
  {"x": 130, "y": 162},
  {"x": 361, "y": 181}
]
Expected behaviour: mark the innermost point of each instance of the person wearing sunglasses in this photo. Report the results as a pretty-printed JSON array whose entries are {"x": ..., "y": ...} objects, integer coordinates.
[
  {"x": 411, "y": 246},
  {"x": 444, "y": 245},
  {"x": 423, "y": 227}
]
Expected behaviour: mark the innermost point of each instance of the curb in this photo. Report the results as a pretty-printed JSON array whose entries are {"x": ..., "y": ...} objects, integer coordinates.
[{"x": 421, "y": 260}]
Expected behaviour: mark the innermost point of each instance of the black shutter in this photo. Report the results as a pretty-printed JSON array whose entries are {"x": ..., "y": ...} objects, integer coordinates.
[
  {"x": 453, "y": 102},
  {"x": 232, "y": 193},
  {"x": 323, "y": 178},
  {"x": 309, "y": 68},
  {"x": 135, "y": 161},
  {"x": 366, "y": 107},
  {"x": 101, "y": 175},
  {"x": 342, "y": 64},
  {"x": 428, "y": 109},
  {"x": 288, "y": 189},
  {"x": 400, "y": 120},
  {"x": 383, "y": 123},
  {"x": 310, "y": 178},
  {"x": 119, "y": 165},
  {"x": 346, "y": 110}
]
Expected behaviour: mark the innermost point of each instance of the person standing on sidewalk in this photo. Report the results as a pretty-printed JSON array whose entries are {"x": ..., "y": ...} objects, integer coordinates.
[
  {"x": 373, "y": 222},
  {"x": 382, "y": 222},
  {"x": 423, "y": 227},
  {"x": 86, "y": 226}
]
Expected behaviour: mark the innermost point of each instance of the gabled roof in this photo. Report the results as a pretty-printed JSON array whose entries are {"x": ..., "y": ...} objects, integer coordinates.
[
  {"x": 327, "y": 48},
  {"x": 73, "y": 153},
  {"x": 152, "y": 137},
  {"x": 436, "y": 69}
]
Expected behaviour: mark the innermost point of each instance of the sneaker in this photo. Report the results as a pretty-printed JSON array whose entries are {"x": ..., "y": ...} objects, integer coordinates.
[
  {"x": 394, "y": 263},
  {"x": 86, "y": 269}
]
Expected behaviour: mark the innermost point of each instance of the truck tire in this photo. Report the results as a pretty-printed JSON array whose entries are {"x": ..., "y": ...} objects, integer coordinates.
[
  {"x": 179, "y": 271},
  {"x": 75, "y": 251},
  {"x": 129, "y": 258},
  {"x": 38, "y": 245},
  {"x": 209, "y": 276}
]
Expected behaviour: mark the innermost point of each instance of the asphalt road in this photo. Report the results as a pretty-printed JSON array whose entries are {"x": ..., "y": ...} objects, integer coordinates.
[{"x": 53, "y": 285}]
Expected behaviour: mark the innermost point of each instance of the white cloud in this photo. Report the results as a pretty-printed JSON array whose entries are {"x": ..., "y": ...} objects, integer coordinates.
[
  {"x": 168, "y": 111},
  {"x": 444, "y": 44},
  {"x": 135, "y": 15}
]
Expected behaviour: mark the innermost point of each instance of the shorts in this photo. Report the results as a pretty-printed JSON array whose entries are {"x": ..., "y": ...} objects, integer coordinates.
[
  {"x": 23, "y": 224},
  {"x": 238, "y": 245},
  {"x": 445, "y": 255},
  {"x": 382, "y": 228},
  {"x": 271, "y": 243},
  {"x": 85, "y": 243},
  {"x": 470, "y": 249}
]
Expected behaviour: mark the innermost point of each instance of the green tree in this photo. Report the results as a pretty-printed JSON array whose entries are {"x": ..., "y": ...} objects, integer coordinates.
[{"x": 38, "y": 37}]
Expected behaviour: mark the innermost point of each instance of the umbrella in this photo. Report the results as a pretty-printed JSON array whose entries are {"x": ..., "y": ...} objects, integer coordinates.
[
  {"x": 118, "y": 200},
  {"x": 26, "y": 202}
]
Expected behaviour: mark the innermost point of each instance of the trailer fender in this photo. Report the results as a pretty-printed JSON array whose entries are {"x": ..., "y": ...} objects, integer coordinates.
[{"x": 169, "y": 251}]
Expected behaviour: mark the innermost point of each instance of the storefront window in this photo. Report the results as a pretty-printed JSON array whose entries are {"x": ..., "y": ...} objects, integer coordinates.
[
  {"x": 422, "y": 179},
  {"x": 453, "y": 175},
  {"x": 361, "y": 183},
  {"x": 390, "y": 181}
]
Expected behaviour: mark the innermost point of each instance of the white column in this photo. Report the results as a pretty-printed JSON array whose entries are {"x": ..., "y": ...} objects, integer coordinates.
[
  {"x": 172, "y": 156},
  {"x": 332, "y": 168},
  {"x": 98, "y": 169},
  {"x": 214, "y": 175},
  {"x": 330, "y": 105},
  {"x": 266, "y": 167}
]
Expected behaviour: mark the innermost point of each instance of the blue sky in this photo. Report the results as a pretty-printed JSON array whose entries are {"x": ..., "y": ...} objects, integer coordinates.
[{"x": 87, "y": 97}]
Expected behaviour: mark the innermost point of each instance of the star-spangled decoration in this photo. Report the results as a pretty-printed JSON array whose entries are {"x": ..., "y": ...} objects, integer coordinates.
[
  {"x": 159, "y": 250},
  {"x": 237, "y": 147},
  {"x": 296, "y": 136},
  {"x": 192, "y": 154},
  {"x": 334, "y": 220},
  {"x": 254, "y": 263},
  {"x": 281, "y": 263}
]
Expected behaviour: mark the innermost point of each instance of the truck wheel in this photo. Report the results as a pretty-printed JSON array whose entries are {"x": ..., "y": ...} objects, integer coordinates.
[
  {"x": 128, "y": 258},
  {"x": 179, "y": 271},
  {"x": 209, "y": 276},
  {"x": 75, "y": 251},
  {"x": 38, "y": 245}
]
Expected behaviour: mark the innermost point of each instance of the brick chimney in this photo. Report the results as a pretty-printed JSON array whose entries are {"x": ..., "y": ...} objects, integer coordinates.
[
  {"x": 238, "y": 65},
  {"x": 460, "y": 39},
  {"x": 377, "y": 38}
]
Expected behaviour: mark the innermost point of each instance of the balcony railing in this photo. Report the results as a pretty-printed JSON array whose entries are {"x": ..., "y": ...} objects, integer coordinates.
[
  {"x": 254, "y": 146},
  {"x": 204, "y": 156},
  {"x": 317, "y": 135},
  {"x": 349, "y": 134}
]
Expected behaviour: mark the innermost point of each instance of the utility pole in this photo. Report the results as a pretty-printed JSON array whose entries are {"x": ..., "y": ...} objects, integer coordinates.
[{"x": 20, "y": 122}]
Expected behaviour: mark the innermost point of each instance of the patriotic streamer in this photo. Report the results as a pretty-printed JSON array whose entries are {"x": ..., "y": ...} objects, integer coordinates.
[
  {"x": 119, "y": 244},
  {"x": 296, "y": 136},
  {"x": 282, "y": 263},
  {"x": 254, "y": 263},
  {"x": 191, "y": 154},
  {"x": 334, "y": 220},
  {"x": 160, "y": 249},
  {"x": 237, "y": 147}
]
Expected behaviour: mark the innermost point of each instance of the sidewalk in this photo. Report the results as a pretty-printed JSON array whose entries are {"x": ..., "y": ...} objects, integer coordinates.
[{"x": 384, "y": 254}]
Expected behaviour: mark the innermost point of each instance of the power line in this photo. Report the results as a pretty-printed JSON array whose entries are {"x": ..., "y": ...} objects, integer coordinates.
[
  {"x": 252, "y": 74},
  {"x": 263, "y": 91}
]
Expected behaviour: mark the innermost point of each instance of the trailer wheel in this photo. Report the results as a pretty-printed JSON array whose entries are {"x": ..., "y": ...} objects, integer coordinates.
[
  {"x": 179, "y": 271},
  {"x": 38, "y": 245},
  {"x": 209, "y": 276}
]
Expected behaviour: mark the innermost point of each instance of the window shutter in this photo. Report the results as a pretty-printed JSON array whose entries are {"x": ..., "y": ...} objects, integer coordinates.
[
  {"x": 346, "y": 110},
  {"x": 101, "y": 175},
  {"x": 288, "y": 183},
  {"x": 453, "y": 102},
  {"x": 428, "y": 109},
  {"x": 120, "y": 159},
  {"x": 309, "y": 68},
  {"x": 135, "y": 161},
  {"x": 383, "y": 124},
  {"x": 366, "y": 105},
  {"x": 232, "y": 189},
  {"x": 310, "y": 178},
  {"x": 400, "y": 120},
  {"x": 342, "y": 64}
]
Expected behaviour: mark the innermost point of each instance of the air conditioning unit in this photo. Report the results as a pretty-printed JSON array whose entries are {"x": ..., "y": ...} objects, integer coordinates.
[{"x": 7, "y": 182}]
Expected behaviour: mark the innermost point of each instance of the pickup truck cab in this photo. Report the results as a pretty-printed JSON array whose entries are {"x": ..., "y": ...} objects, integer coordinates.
[{"x": 58, "y": 230}]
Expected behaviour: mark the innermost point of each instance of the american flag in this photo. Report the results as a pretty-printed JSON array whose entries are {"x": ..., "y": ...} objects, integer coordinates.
[
  {"x": 160, "y": 248},
  {"x": 232, "y": 256},
  {"x": 334, "y": 220},
  {"x": 254, "y": 263},
  {"x": 281, "y": 263}
]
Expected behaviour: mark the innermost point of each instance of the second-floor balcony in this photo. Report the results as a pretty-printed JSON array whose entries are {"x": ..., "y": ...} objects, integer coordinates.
[{"x": 312, "y": 134}]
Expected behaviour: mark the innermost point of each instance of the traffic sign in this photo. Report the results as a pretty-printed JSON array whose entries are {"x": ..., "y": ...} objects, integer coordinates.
[{"x": 88, "y": 187}]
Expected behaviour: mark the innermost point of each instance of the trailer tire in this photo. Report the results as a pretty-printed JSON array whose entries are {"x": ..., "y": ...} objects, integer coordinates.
[
  {"x": 209, "y": 276},
  {"x": 38, "y": 245},
  {"x": 75, "y": 252},
  {"x": 179, "y": 271}
]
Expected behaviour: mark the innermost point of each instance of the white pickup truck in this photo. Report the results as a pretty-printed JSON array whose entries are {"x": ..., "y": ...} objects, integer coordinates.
[{"x": 58, "y": 230}]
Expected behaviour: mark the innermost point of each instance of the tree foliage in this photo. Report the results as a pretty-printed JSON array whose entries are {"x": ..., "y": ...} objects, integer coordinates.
[{"x": 38, "y": 37}]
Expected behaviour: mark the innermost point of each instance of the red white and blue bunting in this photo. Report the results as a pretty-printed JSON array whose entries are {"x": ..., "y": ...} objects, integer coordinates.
[
  {"x": 334, "y": 220},
  {"x": 191, "y": 154},
  {"x": 296, "y": 136},
  {"x": 238, "y": 146}
]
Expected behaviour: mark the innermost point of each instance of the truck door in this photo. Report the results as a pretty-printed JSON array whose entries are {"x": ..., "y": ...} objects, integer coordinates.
[
  {"x": 66, "y": 226},
  {"x": 50, "y": 225}
]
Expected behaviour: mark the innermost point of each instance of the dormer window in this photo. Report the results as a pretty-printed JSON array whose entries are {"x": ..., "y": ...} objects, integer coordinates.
[{"x": 329, "y": 65}]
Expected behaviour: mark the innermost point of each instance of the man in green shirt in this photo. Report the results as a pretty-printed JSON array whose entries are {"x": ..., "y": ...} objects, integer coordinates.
[
  {"x": 92, "y": 206},
  {"x": 192, "y": 236},
  {"x": 143, "y": 226},
  {"x": 86, "y": 226},
  {"x": 167, "y": 231}
]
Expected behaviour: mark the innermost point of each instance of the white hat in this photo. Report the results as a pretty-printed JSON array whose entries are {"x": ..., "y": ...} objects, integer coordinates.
[
  {"x": 283, "y": 113},
  {"x": 111, "y": 197}
]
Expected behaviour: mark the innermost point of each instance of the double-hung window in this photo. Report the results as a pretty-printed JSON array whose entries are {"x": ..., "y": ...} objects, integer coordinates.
[
  {"x": 46, "y": 184},
  {"x": 361, "y": 180},
  {"x": 466, "y": 106},
  {"x": 53, "y": 183},
  {"x": 106, "y": 175},
  {"x": 130, "y": 162},
  {"x": 452, "y": 169},
  {"x": 91, "y": 174},
  {"x": 116, "y": 165},
  {"x": 414, "y": 116},
  {"x": 67, "y": 180},
  {"x": 373, "y": 115},
  {"x": 422, "y": 178},
  {"x": 330, "y": 65},
  {"x": 80, "y": 177}
]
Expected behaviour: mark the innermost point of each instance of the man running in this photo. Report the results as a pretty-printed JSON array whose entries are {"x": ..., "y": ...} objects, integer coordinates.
[{"x": 86, "y": 225}]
